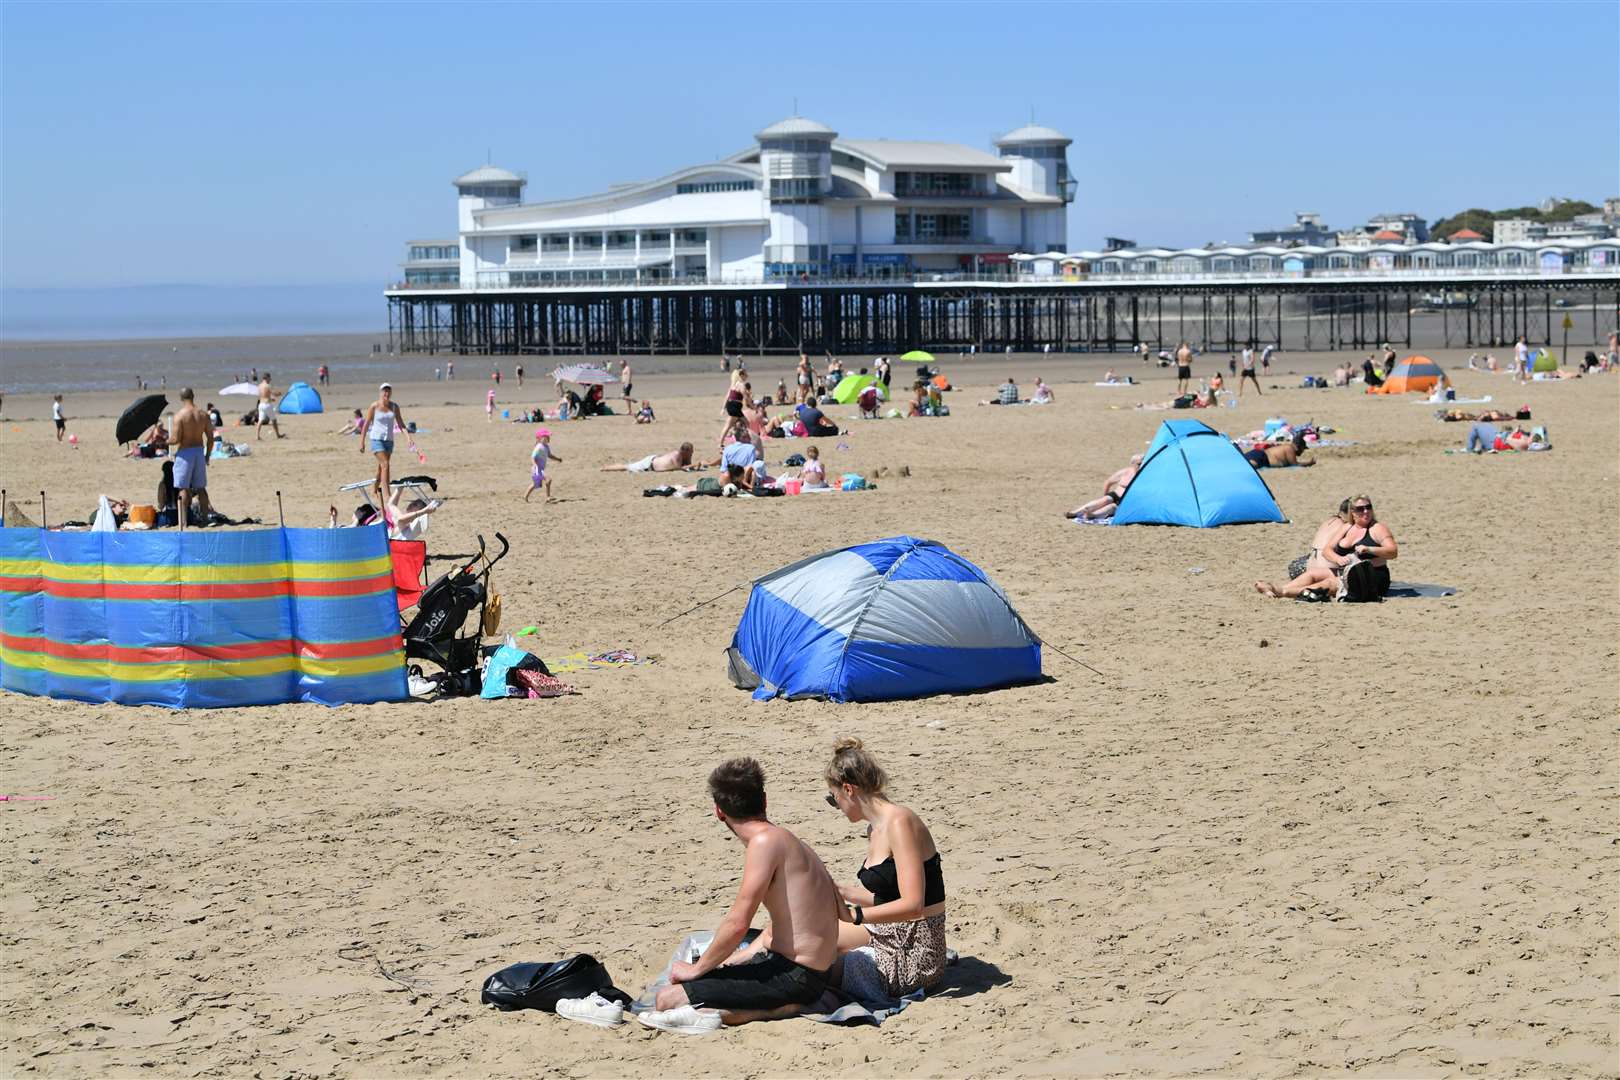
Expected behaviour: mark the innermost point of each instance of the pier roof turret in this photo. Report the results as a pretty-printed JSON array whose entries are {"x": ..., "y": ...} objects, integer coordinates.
[
  {"x": 489, "y": 174},
  {"x": 797, "y": 127},
  {"x": 1030, "y": 134}
]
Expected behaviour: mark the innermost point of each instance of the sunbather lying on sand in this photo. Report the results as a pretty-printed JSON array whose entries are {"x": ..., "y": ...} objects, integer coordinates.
[
  {"x": 1280, "y": 456},
  {"x": 677, "y": 460},
  {"x": 1454, "y": 415},
  {"x": 1113, "y": 491}
]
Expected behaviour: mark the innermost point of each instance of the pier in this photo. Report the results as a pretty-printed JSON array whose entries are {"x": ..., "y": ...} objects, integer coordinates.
[{"x": 955, "y": 314}]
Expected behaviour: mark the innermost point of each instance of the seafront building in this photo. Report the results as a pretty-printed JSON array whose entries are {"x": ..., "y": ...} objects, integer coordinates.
[{"x": 801, "y": 202}]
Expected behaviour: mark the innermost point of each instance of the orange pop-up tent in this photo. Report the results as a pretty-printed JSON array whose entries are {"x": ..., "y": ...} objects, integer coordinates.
[{"x": 1414, "y": 375}]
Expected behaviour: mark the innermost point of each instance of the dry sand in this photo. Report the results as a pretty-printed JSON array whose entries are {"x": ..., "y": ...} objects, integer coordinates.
[{"x": 1271, "y": 838}]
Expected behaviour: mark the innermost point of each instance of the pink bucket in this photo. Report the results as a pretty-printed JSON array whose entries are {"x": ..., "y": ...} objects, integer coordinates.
[{"x": 792, "y": 487}]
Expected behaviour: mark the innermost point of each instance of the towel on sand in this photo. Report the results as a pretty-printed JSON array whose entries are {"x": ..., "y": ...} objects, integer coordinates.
[
  {"x": 834, "y": 1006},
  {"x": 1407, "y": 590}
]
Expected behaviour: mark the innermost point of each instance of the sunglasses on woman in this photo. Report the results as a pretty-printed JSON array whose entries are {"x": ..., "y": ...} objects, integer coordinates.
[
  {"x": 1363, "y": 509},
  {"x": 832, "y": 800}
]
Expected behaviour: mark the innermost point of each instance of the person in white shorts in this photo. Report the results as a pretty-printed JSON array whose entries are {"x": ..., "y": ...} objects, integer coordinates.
[{"x": 674, "y": 461}]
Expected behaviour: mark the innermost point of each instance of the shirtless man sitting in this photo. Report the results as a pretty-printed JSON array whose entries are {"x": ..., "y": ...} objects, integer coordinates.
[
  {"x": 194, "y": 439},
  {"x": 786, "y": 968},
  {"x": 1113, "y": 491},
  {"x": 677, "y": 460}
]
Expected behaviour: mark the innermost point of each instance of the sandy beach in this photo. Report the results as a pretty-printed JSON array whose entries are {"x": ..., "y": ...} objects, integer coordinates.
[{"x": 1268, "y": 839}]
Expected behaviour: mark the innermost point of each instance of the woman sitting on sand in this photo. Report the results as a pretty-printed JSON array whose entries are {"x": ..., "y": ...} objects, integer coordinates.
[
  {"x": 1365, "y": 539},
  {"x": 896, "y": 941}
]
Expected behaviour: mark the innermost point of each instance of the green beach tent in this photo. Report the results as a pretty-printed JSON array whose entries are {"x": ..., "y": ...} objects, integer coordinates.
[
  {"x": 1544, "y": 361},
  {"x": 850, "y": 386},
  {"x": 918, "y": 356}
]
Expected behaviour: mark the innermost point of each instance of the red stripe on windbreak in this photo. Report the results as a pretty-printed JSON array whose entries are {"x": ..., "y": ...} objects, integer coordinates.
[
  {"x": 20, "y": 584},
  {"x": 248, "y": 650},
  {"x": 246, "y": 590}
]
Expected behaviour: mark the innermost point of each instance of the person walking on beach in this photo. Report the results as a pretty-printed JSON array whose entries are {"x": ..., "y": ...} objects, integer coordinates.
[
  {"x": 58, "y": 418},
  {"x": 450, "y": 370},
  {"x": 519, "y": 373},
  {"x": 495, "y": 373},
  {"x": 1183, "y": 367},
  {"x": 193, "y": 436},
  {"x": 541, "y": 456},
  {"x": 489, "y": 406},
  {"x": 267, "y": 410},
  {"x": 323, "y": 375},
  {"x": 1265, "y": 358},
  {"x": 627, "y": 386},
  {"x": 383, "y": 421},
  {"x": 1521, "y": 360},
  {"x": 1248, "y": 374}
]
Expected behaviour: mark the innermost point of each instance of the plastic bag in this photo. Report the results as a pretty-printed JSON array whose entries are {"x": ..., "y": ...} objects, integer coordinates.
[{"x": 542, "y": 985}]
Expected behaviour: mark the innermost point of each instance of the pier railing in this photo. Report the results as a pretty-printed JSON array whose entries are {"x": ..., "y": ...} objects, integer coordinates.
[{"x": 1416, "y": 274}]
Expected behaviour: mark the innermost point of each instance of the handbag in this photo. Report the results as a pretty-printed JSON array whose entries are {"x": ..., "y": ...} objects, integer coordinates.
[{"x": 542, "y": 985}]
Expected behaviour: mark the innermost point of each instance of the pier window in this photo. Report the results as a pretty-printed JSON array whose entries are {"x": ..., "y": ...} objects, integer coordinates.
[
  {"x": 937, "y": 183},
  {"x": 526, "y": 244},
  {"x": 715, "y": 186},
  {"x": 933, "y": 227},
  {"x": 655, "y": 236},
  {"x": 424, "y": 252},
  {"x": 554, "y": 242},
  {"x": 692, "y": 237},
  {"x": 796, "y": 146},
  {"x": 796, "y": 189},
  {"x": 619, "y": 240},
  {"x": 589, "y": 241}
]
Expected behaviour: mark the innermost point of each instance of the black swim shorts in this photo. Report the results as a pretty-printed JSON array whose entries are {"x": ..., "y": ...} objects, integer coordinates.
[
  {"x": 1183, "y": 372},
  {"x": 768, "y": 981},
  {"x": 1257, "y": 458},
  {"x": 734, "y": 408}
]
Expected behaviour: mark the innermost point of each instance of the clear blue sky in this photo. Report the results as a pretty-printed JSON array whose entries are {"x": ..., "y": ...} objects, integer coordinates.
[{"x": 289, "y": 143}]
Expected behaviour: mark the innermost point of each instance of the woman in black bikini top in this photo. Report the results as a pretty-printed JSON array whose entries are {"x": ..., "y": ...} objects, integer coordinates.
[
  {"x": 893, "y": 938},
  {"x": 1367, "y": 538}
]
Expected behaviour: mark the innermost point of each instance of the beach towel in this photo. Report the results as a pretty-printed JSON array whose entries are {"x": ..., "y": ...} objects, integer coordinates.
[
  {"x": 1411, "y": 590},
  {"x": 833, "y": 1007},
  {"x": 1089, "y": 521}
]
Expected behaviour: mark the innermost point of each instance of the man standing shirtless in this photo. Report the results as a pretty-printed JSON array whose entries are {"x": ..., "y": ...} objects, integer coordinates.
[
  {"x": 786, "y": 968},
  {"x": 1183, "y": 368},
  {"x": 193, "y": 435},
  {"x": 267, "y": 410}
]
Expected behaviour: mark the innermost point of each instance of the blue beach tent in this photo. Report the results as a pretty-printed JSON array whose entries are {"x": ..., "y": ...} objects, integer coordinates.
[
  {"x": 301, "y": 398},
  {"x": 1193, "y": 475},
  {"x": 896, "y": 618}
]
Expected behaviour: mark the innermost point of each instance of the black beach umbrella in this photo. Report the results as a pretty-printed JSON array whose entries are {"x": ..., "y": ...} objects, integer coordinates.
[{"x": 140, "y": 416}]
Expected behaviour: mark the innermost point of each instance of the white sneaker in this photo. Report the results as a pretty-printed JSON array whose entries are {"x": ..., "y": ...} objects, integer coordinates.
[
  {"x": 595, "y": 1009},
  {"x": 685, "y": 1020}
]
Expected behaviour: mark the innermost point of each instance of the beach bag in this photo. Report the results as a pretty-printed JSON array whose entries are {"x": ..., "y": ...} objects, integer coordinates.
[
  {"x": 708, "y": 486},
  {"x": 1297, "y": 567},
  {"x": 794, "y": 459},
  {"x": 853, "y": 482},
  {"x": 542, "y": 985},
  {"x": 1357, "y": 585},
  {"x": 143, "y": 515}
]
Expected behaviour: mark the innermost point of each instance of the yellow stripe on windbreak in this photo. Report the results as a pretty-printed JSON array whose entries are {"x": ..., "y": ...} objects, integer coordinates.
[
  {"x": 199, "y": 669},
  {"x": 198, "y": 573}
]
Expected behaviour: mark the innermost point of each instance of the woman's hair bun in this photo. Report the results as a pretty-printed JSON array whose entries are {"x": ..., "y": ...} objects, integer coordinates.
[{"x": 846, "y": 744}]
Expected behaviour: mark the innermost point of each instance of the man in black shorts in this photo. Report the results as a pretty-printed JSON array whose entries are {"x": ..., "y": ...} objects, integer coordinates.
[
  {"x": 1183, "y": 368},
  {"x": 785, "y": 969}
]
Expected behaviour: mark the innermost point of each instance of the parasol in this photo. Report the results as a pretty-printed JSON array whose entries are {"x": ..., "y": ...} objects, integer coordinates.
[
  {"x": 245, "y": 388},
  {"x": 584, "y": 374},
  {"x": 918, "y": 356},
  {"x": 140, "y": 416}
]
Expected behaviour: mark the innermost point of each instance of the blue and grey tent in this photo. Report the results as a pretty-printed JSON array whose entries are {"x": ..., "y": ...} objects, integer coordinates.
[
  {"x": 301, "y": 398},
  {"x": 896, "y": 618},
  {"x": 1193, "y": 475}
]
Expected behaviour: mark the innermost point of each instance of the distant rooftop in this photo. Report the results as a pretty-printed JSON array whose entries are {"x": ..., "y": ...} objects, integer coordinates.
[{"x": 902, "y": 153}]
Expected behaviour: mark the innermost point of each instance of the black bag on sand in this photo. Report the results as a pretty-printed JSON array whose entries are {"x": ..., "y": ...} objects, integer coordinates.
[{"x": 542, "y": 985}]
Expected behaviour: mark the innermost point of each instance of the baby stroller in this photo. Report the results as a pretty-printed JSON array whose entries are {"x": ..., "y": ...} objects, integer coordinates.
[{"x": 436, "y": 632}]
